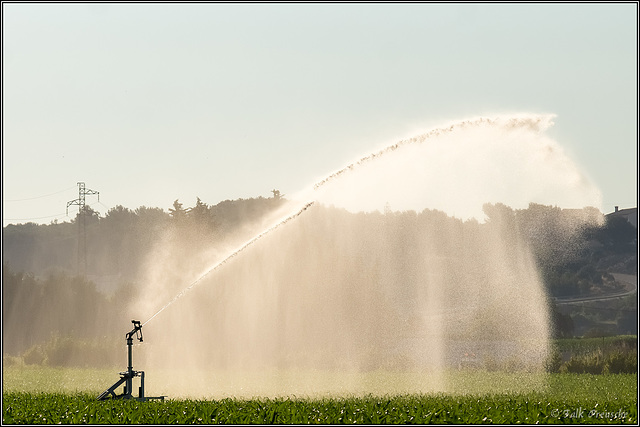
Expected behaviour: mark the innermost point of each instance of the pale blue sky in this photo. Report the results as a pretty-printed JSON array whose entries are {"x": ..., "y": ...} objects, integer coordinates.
[{"x": 148, "y": 103}]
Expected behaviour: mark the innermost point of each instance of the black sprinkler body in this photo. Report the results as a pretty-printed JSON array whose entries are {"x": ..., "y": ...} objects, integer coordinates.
[{"x": 127, "y": 376}]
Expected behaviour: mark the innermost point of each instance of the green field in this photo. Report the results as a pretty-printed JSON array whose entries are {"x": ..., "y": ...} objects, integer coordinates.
[{"x": 67, "y": 396}]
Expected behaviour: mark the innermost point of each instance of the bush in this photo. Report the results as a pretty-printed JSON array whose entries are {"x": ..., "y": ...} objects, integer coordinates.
[
  {"x": 615, "y": 362},
  {"x": 592, "y": 363},
  {"x": 620, "y": 362}
]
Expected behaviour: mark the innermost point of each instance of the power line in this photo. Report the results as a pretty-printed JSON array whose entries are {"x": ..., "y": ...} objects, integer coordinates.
[
  {"x": 56, "y": 216},
  {"x": 38, "y": 197},
  {"x": 38, "y": 217}
]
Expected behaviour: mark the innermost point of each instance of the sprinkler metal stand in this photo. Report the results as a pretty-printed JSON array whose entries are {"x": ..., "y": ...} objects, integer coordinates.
[{"x": 127, "y": 376}]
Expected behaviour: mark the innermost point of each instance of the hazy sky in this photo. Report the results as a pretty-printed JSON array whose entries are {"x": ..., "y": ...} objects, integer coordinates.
[{"x": 148, "y": 103}]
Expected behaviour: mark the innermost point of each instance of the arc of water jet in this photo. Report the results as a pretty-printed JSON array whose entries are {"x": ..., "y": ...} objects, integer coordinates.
[
  {"x": 233, "y": 254},
  {"x": 529, "y": 121}
]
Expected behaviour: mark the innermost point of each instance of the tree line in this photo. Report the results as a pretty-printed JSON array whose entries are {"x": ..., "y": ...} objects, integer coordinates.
[
  {"x": 43, "y": 296},
  {"x": 117, "y": 243}
]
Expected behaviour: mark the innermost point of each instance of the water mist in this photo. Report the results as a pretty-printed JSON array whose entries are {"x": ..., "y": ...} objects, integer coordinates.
[{"x": 381, "y": 278}]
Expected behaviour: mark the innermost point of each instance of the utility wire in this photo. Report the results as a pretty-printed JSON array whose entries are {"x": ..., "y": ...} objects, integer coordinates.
[
  {"x": 38, "y": 197},
  {"x": 60, "y": 215},
  {"x": 57, "y": 216}
]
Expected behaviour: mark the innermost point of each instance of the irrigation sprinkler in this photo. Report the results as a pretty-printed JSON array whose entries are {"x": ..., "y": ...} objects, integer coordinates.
[{"x": 127, "y": 376}]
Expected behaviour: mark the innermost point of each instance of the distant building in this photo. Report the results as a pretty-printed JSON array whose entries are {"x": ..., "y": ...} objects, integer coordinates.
[{"x": 630, "y": 215}]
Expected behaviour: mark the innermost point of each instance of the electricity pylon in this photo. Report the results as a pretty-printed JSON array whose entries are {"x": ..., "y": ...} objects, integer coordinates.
[{"x": 82, "y": 224}]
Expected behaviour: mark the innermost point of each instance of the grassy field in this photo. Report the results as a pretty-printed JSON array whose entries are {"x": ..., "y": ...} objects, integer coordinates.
[{"x": 67, "y": 396}]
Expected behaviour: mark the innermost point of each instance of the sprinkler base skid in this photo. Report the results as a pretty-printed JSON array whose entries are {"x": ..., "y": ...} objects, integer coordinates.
[
  {"x": 127, "y": 376},
  {"x": 126, "y": 394}
]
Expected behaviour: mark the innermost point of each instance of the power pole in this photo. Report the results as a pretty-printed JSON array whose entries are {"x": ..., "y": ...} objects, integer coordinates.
[{"x": 82, "y": 224}]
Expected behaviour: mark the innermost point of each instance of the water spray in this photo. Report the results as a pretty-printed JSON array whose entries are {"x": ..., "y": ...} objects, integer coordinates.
[
  {"x": 127, "y": 376},
  {"x": 233, "y": 254},
  {"x": 439, "y": 351},
  {"x": 535, "y": 122}
]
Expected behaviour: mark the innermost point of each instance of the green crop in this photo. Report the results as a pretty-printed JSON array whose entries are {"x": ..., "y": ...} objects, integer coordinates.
[
  {"x": 566, "y": 398},
  {"x": 82, "y": 408},
  {"x": 570, "y": 398}
]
